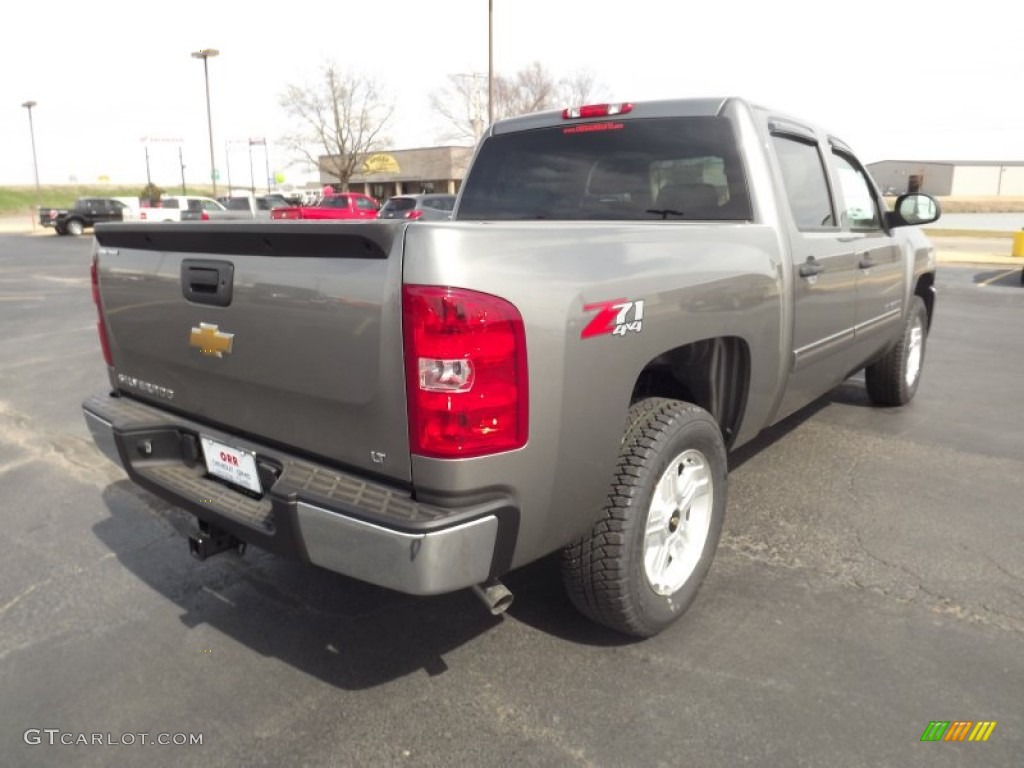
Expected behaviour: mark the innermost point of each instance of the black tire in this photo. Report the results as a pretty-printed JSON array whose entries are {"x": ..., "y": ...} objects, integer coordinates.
[
  {"x": 74, "y": 227},
  {"x": 607, "y": 573},
  {"x": 893, "y": 379},
  {"x": 59, "y": 230}
]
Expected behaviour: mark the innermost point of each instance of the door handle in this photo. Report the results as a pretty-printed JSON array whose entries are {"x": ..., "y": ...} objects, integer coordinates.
[
  {"x": 866, "y": 262},
  {"x": 811, "y": 267}
]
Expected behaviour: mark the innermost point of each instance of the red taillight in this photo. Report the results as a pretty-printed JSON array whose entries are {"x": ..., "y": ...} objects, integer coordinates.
[
  {"x": 414, "y": 214},
  {"x": 596, "y": 110},
  {"x": 465, "y": 369},
  {"x": 101, "y": 324}
]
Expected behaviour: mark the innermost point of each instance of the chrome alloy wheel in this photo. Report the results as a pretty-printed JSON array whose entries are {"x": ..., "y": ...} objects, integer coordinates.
[
  {"x": 915, "y": 351},
  {"x": 678, "y": 522}
]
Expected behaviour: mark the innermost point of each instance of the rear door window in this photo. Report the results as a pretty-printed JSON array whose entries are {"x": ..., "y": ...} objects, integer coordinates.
[
  {"x": 656, "y": 169},
  {"x": 803, "y": 174}
]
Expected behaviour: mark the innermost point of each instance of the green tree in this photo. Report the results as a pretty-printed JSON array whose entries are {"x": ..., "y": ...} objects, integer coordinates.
[{"x": 151, "y": 192}]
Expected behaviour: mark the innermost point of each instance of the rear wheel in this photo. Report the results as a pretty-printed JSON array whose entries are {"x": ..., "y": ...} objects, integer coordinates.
[
  {"x": 893, "y": 379},
  {"x": 74, "y": 227},
  {"x": 641, "y": 565}
]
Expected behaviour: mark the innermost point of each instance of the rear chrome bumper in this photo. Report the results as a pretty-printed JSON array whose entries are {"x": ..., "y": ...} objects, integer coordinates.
[{"x": 311, "y": 511}]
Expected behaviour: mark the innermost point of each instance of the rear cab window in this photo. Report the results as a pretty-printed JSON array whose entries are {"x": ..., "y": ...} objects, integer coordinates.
[
  {"x": 650, "y": 169},
  {"x": 399, "y": 204}
]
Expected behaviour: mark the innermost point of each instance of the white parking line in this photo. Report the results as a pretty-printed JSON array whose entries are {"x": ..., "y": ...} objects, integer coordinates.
[{"x": 998, "y": 277}]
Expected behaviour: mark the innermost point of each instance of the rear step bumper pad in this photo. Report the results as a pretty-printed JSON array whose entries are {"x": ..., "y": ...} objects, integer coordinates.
[{"x": 337, "y": 520}]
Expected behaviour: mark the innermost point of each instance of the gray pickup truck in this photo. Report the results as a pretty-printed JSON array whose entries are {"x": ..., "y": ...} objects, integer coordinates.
[{"x": 626, "y": 292}]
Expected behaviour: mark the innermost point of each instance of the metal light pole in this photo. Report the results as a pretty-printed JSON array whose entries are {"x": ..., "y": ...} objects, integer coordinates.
[
  {"x": 252, "y": 180},
  {"x": 35, "y": 166},
  {"x": 490, "y": 62},
  {"x": 181, "y": 162},
  {"x": 266, "y": 162},
  {"x": 227, "y": 162},
  {"x": 205, "y": 55}
]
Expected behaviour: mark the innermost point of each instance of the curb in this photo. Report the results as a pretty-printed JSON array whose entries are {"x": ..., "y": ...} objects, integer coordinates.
[
  {"x": 17, "y": 225},
  {"x": 955, "y": 257}
]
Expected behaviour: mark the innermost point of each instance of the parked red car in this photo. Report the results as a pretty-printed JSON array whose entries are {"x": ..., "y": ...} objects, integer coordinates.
[{"x": 346, "y": 205}]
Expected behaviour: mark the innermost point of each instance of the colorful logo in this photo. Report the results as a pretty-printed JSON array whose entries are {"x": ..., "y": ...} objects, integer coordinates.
[
  {"x": 958, "y": 730},
  {"x": 613, "y": 318}
]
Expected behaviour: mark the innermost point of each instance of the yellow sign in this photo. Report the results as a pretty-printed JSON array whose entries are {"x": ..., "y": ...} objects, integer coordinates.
[
  {"x": 210, "y": 341},
  {"x": 380, "y": 163}
]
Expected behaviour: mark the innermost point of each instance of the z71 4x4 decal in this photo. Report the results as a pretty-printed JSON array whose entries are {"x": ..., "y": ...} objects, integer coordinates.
[{"x": 616, "y": 317}]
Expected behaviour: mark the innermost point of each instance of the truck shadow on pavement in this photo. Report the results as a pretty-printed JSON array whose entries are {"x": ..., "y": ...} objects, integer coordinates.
[
  {"x": 344, "y": 632},
  {"x": 776, "y": 432}
]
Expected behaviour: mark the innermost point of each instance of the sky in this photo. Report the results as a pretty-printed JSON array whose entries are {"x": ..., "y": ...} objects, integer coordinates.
[{"x": 894, "y": 80}]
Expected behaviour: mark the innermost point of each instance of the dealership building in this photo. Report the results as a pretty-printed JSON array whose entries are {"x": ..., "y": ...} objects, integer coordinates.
[
  {"x": 972, "y": 178},
  {"x": 405, "y": 171}
]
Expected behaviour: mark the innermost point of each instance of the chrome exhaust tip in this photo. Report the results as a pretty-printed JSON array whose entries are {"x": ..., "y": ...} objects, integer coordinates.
[{"x": 495, "y": 595}]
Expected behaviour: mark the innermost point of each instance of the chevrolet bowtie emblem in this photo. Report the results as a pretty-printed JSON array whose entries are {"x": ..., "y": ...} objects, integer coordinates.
[{"x": 210, "y": 341}]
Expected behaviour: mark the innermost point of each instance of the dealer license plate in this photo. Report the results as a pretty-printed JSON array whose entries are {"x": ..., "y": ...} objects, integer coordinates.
[{"x": 231, "y": 464}]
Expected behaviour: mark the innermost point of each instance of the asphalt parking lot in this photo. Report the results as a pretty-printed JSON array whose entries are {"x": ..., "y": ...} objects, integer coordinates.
[{"x": 870, "y": 580}]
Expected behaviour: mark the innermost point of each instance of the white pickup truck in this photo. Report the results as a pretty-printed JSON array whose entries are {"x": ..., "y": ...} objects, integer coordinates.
[{"x": 171, "y": 207}]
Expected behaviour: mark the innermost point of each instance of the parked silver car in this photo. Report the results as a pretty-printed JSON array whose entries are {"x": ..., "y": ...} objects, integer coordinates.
[{"x": 427, "y": 206}]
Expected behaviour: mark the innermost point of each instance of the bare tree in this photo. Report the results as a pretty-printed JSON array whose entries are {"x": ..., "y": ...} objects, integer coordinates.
[
  {"x": 579, "y": 88},
  {"x": 341, "y": 118},
  {"x": 462, "y": 102},
  {"x": 531, "y": 89}
]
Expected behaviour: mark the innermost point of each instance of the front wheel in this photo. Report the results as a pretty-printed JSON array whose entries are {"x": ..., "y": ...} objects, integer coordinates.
[
  {"x": 641, "y": 565},
  {"x": 893, "y": 379}
]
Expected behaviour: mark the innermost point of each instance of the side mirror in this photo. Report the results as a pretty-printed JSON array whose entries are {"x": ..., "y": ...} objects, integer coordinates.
[{"x": 914, "y": 210}]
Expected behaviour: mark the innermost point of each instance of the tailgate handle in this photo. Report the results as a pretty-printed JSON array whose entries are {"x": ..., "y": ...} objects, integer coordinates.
[{"x": 207, "y": 281}]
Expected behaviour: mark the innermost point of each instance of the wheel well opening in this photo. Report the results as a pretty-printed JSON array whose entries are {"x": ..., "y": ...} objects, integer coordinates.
[
  {"x": 712, "y": 373},
  {"x": 925, "y": 288}
]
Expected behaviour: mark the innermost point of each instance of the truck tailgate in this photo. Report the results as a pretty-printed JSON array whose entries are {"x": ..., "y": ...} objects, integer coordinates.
[{"x": 286, "y": 332}]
